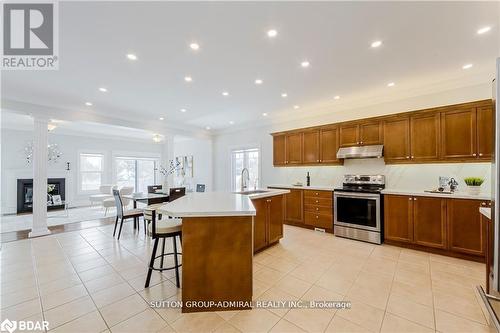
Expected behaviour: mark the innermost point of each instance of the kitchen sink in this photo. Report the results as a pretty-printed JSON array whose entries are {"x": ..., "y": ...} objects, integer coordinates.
[{"x": 252, "y": 192}]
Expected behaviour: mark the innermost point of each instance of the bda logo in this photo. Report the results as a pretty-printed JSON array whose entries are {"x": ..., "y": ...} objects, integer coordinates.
[
  {"x": 8, "y": 325},
  {"x": 30, "y": 34}
]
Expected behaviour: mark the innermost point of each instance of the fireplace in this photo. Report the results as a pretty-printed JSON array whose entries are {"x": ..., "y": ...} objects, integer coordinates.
[{"x": 25, "y": 194}]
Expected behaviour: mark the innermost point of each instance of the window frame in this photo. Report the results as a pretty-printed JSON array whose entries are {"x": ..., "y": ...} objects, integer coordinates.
[
  {"x": 80, "y": 171},
  {"x": 232, "y": 166},
  {"x": 156, "y": 158}
]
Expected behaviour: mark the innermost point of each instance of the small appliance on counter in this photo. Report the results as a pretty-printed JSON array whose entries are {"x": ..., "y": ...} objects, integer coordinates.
[{"x": 358, "y": 208}]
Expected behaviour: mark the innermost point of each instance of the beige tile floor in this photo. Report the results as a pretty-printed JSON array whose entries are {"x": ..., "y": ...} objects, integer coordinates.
[{"x": 87, "y": 281}]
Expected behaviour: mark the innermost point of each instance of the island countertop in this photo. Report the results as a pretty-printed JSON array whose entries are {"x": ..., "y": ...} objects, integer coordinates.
[{"x": 207, "y": 204}]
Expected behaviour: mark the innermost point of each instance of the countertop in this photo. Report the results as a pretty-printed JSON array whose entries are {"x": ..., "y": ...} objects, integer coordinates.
[
  {"x": 456, "y": 195},
  {"x": 208, "y": 204},
  {"x": 303, "y": 187},
  {"x": 268, "y": 193},
  {"x": 486, "y": 211}
]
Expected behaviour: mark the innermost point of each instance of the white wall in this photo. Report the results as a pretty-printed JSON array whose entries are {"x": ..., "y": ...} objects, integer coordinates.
[
  {"x": 201, "y": 150},
  {"x": 14, "y": 164},
  {"x": 398, "y": 176}
]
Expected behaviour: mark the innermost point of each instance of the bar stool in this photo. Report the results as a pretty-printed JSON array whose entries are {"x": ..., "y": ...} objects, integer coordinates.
[{"x": 165, "y": 228}]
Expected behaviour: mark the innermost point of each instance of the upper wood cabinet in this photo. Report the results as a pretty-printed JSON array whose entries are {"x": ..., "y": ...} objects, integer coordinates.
[
  {"x": 279, "y": 150},
  {"x": 328, "y": 140},
  {"x": 371, "y": 133},
  {"x": 364, "y": 133},
  {"x": 458, "y": 133},
  {"x": 397, "y": 139},
  {"x": 311, "y": 147},
  {"x": 484, "y": 132},
  {"x": 424, "y": 137},
  {"x": 466, "y": 232},
  {"x": 293, "y": 148},
  {"x": 455, "y": 133}
]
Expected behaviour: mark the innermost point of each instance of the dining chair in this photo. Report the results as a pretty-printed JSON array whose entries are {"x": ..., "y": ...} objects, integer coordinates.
[
  {"x": 154, "y": 188},
  {"x": 176, "y": 193},
  {"x": 124, "y": 215},
  {"x": 200, "y": 187}
]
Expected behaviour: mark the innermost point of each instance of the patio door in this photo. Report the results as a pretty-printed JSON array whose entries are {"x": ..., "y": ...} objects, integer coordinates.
[{"x": 136, "y": 172}]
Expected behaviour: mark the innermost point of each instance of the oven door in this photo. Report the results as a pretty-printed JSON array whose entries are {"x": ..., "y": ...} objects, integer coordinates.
[{"x": 357, "y": 210}]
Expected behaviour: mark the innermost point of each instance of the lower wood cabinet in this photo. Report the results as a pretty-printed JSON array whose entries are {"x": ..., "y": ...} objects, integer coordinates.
[
  {"x": 268, "y": 221},
  {"x": 452, "y": 226},
  {"x": 294, "y": 211},
  {"x": 318, "y": 209}
]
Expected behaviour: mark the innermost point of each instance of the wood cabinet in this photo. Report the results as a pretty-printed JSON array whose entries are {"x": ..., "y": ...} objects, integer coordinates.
[
  {"x": 397, "y": 139},
  {"x": 484, "y": 132},
  {"x": 311, "y": 147},
  {"x": 294, "y": 211},
  {"x": 364, "y": 133},
  {"x": 398, "y": 218},
  {"x": 466, "y": 231},
  {"x": 293, "y": 148},
  {"x": 455, "y": 133},
  {"x": 279, "y": 150},
  {"x": 318, "y": 209},
  {"x": 429, "y": 222},
  {"x": 458, "y": 133},
  {"x": 424, "y": 137},
  {"x": 451, "y": 226},
  {"x": 268, "y": 221},
  {"x": 328, "y": 139}
]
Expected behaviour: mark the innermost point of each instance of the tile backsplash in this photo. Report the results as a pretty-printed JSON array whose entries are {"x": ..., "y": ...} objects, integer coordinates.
[{"x": 404, "y": 176}]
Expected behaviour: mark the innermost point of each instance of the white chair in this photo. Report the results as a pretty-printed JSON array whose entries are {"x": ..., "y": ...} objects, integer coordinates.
[
  {"x": 104, "y": 193},
  {"x": 108, "y": 203}
]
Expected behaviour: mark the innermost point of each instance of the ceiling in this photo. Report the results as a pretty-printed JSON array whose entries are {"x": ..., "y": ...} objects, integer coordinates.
[{"x": 425, "y": 44}]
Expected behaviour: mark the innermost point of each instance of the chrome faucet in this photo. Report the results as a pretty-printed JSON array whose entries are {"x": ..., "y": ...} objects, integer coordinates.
[{"x": 244, "y": 180}]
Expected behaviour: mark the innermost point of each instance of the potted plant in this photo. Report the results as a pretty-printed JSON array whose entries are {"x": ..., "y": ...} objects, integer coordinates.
[{"x": 474, "y": 184}]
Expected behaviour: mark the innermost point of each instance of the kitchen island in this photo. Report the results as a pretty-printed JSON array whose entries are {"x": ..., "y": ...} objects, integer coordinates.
[{"x": 217, "y": 248}]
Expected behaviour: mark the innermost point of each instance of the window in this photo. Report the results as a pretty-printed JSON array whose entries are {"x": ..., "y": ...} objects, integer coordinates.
[
  {"x": 91, "y": 168},
  {"x": 245, "y": 158},
  {"x": 138, "y": 173}
]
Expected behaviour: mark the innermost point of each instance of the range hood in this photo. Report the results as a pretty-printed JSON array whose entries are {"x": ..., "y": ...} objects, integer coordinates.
[{"x": 374, "y": 151}]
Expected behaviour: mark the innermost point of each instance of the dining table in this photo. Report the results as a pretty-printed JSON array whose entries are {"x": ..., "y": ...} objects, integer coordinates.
[{"x": 147, "y": 198}]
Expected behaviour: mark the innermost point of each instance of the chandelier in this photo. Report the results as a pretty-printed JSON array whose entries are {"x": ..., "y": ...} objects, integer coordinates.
[{"x": 53, "y": 153}]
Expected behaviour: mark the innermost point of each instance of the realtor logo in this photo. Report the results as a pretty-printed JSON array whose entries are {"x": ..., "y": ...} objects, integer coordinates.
[
  {"x": 30, "y": 34},
  {"x": 8, "y": 326}
]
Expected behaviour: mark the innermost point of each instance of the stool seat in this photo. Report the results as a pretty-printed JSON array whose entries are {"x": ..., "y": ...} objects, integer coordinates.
[
  {"x": 132, "y": 212},
  {"x": 166, "y": 226}
]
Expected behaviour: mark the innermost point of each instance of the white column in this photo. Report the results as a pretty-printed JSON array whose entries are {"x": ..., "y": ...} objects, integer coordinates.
[{"x": 40, "y": 142}]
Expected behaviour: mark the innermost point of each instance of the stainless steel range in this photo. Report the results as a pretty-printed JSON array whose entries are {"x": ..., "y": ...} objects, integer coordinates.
[{"x": 358, "y": 208}]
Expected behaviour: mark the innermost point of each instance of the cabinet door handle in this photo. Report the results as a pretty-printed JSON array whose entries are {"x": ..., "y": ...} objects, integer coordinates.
[
  {"x": 408, "y": 157},
  {"x": 317, "y": 208},
  {"x": 412, "y": 156},
  {"x": 415, "y": 199},
  {"x": 410, "y": 199},
  {"x": 317, "y": 216},
  {"x": 480, "y": 154},
  {"x": 318, "y": 160},
  {"x": 483, "y": 203},
  {"x": 316, "y": 193},
  {"x": 361, "y": 142},
  {"x": 317, "y": 201},
  {"x": 474, "y": 154}
]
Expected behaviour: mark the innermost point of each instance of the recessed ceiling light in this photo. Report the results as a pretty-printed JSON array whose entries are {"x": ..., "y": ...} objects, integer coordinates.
[
  {"x": 225, "y": 93},
  {"x": 231, "y": 122},
  {"x": 183, "y": 110},
  {"x": 466, "y": 66},
  {"x": 483, "y": 30},
  {"x": 188, "y": 78},
  {"x": 102, "y": 89},
  {"x": 305, "y": 64},
  {"x": 272, "y": 33},
  {"x": 264, "y": 114},
  {"x": 296, "y": 107},
  {"x": 207, "y": 128},
  {"x": 131, "y": 56},
  {"x": 194, "y": 46},
  {"x": 284, "y": 95},
  {"x": 161, "y": 118},
  {"x": 258, "y": 81},
  {"x": 391, "y": 84},
  {"x": 376, "y": 43},
  {"x": 88, "y": 104},
  {"x": 336, "y": 97}
]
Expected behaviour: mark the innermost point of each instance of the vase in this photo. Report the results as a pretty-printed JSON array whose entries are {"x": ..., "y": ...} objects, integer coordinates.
[{"x": 474, "y": 190}]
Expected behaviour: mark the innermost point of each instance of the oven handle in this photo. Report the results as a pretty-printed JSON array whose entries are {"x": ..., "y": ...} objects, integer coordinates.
[{"x": 356, "y": 195}]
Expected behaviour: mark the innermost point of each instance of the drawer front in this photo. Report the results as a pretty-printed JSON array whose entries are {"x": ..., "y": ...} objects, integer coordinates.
[
  {"x": 318, "y": 201},
  {"x": 326, "y": 210},
  {"x": 319, "y": 220},
  {"x": 318, "y": 194}
]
